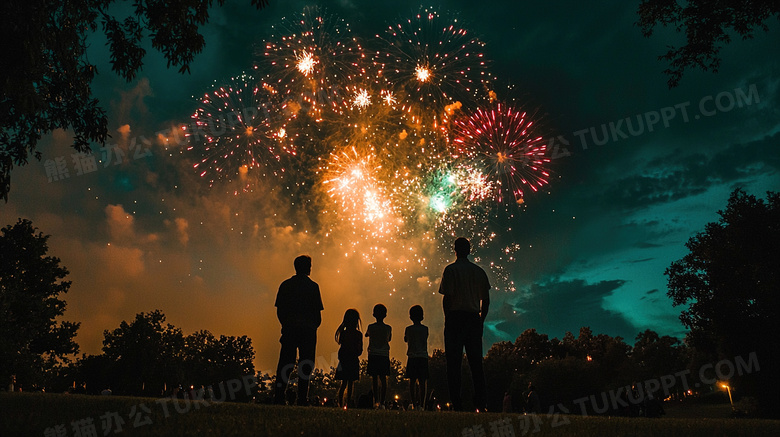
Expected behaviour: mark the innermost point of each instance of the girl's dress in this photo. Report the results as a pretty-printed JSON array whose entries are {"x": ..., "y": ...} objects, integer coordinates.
[{"x": 349, "y": 355}]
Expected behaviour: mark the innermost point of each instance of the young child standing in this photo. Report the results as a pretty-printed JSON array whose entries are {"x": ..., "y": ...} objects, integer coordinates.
[
  {"x": 416, "y": 336},
  {"x": 379, "y": 335},
  {"x": 350, "y": 339}
]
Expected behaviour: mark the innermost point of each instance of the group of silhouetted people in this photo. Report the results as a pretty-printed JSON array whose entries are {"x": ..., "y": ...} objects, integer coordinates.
[
  {"x": 465, "y": 287},
  {"x": 350, "y": 340}
]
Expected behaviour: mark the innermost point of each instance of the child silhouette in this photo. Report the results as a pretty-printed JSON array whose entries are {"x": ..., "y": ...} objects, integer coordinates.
[
  {"x": 379, "y": 335},
  {"x": 416, "y": 336},
  {"x": 350, "y": 339}
]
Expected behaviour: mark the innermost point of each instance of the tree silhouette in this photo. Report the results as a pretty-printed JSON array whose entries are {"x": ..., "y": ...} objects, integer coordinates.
[
  {"x": 150, "y": 357},
  {"x": 729, "y": 282},
  {"x": 655, "y": 356},
  {"x": 707, "y": 25},
  {"x": 208, "y": 359},
  {"x": 505, "y": 365},
  {"x": 46, "y": 79},
  {"x": 32, "y": 343},
  {"x": 147, "y": 355},
  {"x": 533, "y": 347}
]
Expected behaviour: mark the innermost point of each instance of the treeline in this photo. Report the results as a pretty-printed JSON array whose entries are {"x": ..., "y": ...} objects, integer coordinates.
[
  {"x": 148, "y": 357},
  {"x": 569, "y": 369},
  {"x": 562, "y": 371}
]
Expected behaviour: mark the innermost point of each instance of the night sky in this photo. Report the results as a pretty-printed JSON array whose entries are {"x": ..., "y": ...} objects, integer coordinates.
[{"x": 592, "y": 247}]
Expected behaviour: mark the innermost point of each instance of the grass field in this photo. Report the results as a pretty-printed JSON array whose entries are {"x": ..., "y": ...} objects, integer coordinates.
[{"x": 37, "y": 414}]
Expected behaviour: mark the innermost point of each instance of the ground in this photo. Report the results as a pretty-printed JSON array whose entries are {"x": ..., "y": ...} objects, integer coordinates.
[{"x": 58, "y": 415}]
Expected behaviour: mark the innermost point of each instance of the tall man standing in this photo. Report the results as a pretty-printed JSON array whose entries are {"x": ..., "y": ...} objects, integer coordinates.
[
  {"x": 298, "y": 307},
  {"x": 466, "y": 302}
]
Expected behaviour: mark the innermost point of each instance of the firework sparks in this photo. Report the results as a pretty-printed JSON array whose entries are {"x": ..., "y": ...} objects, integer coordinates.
[
  {"x": 389, "y": 98},
  {"x": 353, "y": 183},
  {"x": 504, "y": 141},
  {"x": 475, "y": 185},
  {"x": 306, "y": 63},
  {"x": 362, "y": 99},
  {"x": 310, "y": 57},
  {"x": 432, "y": 62},
  {"x": 234, "y": 130},
  {"x": 422, "y": 74},
  {"x": 391, "y": 150}
]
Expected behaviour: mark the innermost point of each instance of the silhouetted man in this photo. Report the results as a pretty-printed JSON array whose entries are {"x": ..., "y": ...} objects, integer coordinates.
[
  {"x": 298, "y": 306},
  {"x": 466, "y": 301}
]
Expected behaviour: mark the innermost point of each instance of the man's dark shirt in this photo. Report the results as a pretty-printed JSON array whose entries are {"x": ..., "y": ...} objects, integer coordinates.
[
  {"x": 298, "y": 303},
  {"x": 465, "y": 286}
]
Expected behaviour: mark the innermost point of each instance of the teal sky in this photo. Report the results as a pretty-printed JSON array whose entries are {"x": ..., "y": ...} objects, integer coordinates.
[{"x": 148, "y": 234}]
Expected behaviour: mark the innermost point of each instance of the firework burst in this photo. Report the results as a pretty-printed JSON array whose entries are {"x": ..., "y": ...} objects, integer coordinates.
[
  {"x": 505, "y": 142},
  {"x": 432, "y": 62},
  {"x": 368, "y": 114},
  {"x": 391, "y": 155},
  {"x": 351, "y": 179},
  {"x": 234, "y": 131},
  {"x": 310, "y": 58}
]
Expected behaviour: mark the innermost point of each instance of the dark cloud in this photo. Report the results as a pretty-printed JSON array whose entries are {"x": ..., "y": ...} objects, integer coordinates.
[
  {"x": 558, "y": 306},
  {"x": 678, "y": 175},
  {"x": 650, "y": 293}
]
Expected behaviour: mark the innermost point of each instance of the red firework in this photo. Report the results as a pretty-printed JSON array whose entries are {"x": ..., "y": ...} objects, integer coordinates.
[{"x": 503, "y": 141}]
